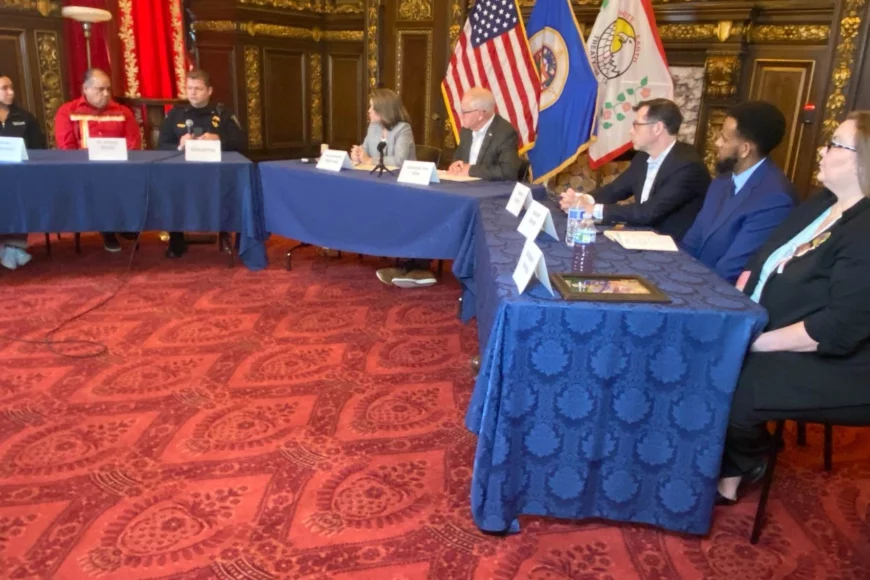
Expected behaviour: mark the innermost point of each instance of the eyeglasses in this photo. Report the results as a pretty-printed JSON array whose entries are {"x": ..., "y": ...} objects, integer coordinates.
[
  {"x": 469, "y": 112},
  {"x": 637, "y": 124},
  {"x": 836, "y": 145}
]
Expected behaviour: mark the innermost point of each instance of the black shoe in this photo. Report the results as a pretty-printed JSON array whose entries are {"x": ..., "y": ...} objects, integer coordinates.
[
  {"x": 747, "y": 483},
  {"x": 176, "y": 249},
  {"x": 110, "y": 243},
  {"x": 130, "y": 236}
]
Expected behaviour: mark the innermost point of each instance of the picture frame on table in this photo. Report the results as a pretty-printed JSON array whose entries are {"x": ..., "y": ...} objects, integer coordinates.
[{"x": 607, "y": 288}]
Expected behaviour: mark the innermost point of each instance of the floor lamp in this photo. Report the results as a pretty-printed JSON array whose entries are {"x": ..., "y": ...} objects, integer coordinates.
[{"x": 87, "y": 16}]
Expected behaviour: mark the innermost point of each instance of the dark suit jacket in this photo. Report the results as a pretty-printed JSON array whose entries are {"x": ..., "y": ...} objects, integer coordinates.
[
  {"x": 674, "y": 200},
  {"x": 731, "y": 228},
  {"x": 828, "y": 289},
  {"x": 498, "y": 159}
]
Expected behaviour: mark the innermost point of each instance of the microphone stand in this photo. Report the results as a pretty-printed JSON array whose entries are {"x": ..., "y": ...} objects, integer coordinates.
[{"x": 380, "y": 167}]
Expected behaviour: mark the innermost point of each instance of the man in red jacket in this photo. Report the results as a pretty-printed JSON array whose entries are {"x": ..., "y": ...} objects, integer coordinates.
[{"x": 95, "y": 114}]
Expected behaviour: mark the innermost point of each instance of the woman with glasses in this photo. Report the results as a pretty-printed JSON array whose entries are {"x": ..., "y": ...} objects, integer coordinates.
[
  {"x": 389, "y": 124},
  {"x": 813, "y": 276}
]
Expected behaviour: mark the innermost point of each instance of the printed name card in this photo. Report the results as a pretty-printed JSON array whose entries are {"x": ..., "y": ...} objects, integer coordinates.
[
  {"x": 332, "y": 160},
  {"x": 532, "y": 263},
  {"x": 520, "y": 198},
  {"x": 107, "y": 149},
  {"x": 418, "y": 173},
  {"x": 202, "y": 151},
  {"x": 537, "y": 217},
  {"x": 12, "y": 150}
]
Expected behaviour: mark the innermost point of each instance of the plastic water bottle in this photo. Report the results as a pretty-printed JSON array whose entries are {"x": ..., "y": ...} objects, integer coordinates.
[
  {"x": 584, "y": 245},
  {"x": 575, "y": 215}
]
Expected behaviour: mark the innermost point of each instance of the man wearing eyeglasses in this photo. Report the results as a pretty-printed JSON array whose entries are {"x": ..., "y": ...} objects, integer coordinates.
[
  {"x": 667, "y": 177},
  {"x": 487, "y": 142},
  {"x": 751, "y": 196}
]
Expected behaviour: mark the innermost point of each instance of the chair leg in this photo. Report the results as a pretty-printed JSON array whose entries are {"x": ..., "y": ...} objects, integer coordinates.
[
  {"x": 768, "y": 482},
  {"x": 440, "y": 268},
  {"x": 801, "y": 434},
  {"x": 78, "y": 241},
  {"x": 829, "y": 446},
  {"x": 48, "y": 244}
]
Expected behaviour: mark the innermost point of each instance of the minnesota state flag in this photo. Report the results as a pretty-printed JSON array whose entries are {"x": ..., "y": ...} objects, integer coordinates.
[{"x": 569, "y": 88}]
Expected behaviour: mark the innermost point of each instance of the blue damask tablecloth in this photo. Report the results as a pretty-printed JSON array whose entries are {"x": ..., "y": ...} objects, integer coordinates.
[{"x": 600, "y": 410}]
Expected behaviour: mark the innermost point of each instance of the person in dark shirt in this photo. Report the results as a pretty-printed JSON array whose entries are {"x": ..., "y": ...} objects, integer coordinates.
[
  {"x": 199, "y": 119},
  {"x": 16, "y": 122}
]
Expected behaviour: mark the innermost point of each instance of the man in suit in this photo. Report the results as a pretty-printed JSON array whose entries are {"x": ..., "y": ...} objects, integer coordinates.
[
  {"x": 199, "y": 120},
  {"x": 95, "y": 114},
  {"x": 751, "y": 196},
  {"x": 487, "y": 142},
  {"x": 667, "y": 178},
  {"x": 16, "y": 122}
]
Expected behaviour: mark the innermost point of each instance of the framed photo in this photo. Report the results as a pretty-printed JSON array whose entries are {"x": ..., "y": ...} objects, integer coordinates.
[{"x": 607, "y": 288}]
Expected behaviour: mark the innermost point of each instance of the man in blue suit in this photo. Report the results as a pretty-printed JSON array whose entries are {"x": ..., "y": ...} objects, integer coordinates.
[{"x": 751, "y": 196}]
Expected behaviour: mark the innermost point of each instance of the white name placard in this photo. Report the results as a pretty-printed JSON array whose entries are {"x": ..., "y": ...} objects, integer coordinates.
[
  {"x": 203, "y": 151},
  {"x": 107, "y": 149},
  {"x": 520, "y": 198},
  {"x": 333, "y": 160},
  {"x": 532, "y": 263},
  {"x": 537, "y": 217},
  {"x": 12, "y": 150},
  {"x": 418, "y": 173}
]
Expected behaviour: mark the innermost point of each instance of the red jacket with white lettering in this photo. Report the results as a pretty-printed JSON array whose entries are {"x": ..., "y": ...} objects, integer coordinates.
[{"x": 77, "y": 121}]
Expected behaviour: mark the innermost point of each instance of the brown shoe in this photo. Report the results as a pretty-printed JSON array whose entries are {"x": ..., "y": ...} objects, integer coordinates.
[
  {"x": 386, "y": 275},
  {"x": 415, "y": 279}
]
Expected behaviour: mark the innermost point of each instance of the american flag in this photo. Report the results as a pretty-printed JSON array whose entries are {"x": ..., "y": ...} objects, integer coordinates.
[{"x": 493, "y": 52}]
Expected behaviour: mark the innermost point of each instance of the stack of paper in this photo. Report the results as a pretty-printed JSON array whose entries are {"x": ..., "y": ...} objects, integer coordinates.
[
  {"x": 445, "y": 176},
  {"x": 642, "y": 240}
]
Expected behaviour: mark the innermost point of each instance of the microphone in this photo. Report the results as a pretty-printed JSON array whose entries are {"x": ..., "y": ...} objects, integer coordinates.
[
  {"x": 380, "y": 167},
  {"x": 382, "y": 146},
  {"x": 189, "y": 124}
]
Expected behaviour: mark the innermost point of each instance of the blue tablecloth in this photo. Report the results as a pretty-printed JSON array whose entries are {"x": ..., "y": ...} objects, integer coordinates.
[
  {"x": 61, "y": 191},
  {"x": 357, "y": 212},
  {"x": 591, "y": 409}
]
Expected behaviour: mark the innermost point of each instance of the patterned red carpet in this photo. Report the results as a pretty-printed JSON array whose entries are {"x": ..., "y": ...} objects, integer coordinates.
[{"x": 308, "y": 424}]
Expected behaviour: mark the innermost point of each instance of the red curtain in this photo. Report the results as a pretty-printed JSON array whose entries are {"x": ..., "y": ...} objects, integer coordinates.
[{"x": 76, "y": 58}]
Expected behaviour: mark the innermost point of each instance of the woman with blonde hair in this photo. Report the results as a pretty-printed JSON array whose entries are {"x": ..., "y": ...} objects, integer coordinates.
[
  {"x": 812, "y": 361},
  {"x": 388, "y": 122}
]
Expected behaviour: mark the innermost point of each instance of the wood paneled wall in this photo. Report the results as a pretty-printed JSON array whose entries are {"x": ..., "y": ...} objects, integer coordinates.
[
  {"x": 293, "y": 70},
  {"x": 31, "y": 53}
]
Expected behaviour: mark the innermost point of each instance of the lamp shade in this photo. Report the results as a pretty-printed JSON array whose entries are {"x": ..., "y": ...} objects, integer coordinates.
[{"x": 86, "y": 14}]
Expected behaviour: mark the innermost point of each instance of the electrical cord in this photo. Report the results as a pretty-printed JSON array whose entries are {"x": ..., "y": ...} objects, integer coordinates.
[{"x": 100, "y": 348}]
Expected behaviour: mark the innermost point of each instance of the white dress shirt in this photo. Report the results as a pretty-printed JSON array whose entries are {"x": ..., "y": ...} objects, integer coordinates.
[
  {"x": 477, "y": 138},
  {"x": 652, "y": 169}
]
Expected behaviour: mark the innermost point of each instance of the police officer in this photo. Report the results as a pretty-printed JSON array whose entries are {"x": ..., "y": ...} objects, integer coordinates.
[
  {"x": 200, "y": 120},
  {"x": 16, "y": 122}
]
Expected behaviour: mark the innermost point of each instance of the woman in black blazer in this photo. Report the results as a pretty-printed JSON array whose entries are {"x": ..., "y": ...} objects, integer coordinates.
[{"x": 813, "y": 277}]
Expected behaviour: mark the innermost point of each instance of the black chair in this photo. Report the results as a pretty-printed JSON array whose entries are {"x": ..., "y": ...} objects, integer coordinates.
[
  {"x": 776, "y": 445},
  {"x": 523, "y": 173},
  {"x": 428, "y": 153}
]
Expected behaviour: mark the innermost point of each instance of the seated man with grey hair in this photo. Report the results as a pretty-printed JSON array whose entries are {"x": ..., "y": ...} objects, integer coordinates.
[{"x": 487, "y": 142}]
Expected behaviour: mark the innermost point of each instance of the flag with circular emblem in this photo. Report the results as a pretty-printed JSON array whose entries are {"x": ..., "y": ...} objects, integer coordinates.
[{"x": 628, "y": 60}]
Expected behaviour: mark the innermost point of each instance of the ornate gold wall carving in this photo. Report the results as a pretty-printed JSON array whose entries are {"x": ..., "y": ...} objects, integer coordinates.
[
  {"x": 850, "y": 26},
  {"x": 315, "y": 81},
  {"x": 428, "y": 35},
  {"x": 50, "y": 78},
  {"x": 790, "y": 33},
  {"x": 372, "y": 17},
  {"x": 709, "y": 31},
  {"x": 44, "y": 7},
  {"x": 128, "y": 46},
  {"x": 279, "y": 31},
  {"x": 178, "y": 45},
  {"x": 715, "y": 120},
  {"x": 415, "y": 9},
  {"x": 723, "y": 74},
  {"x": 253, "y": 92},
  {"x": 320, "y": 6}
]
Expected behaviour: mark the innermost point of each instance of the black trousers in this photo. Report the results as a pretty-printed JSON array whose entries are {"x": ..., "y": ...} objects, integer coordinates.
[{"x": 748, "y": 440}]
